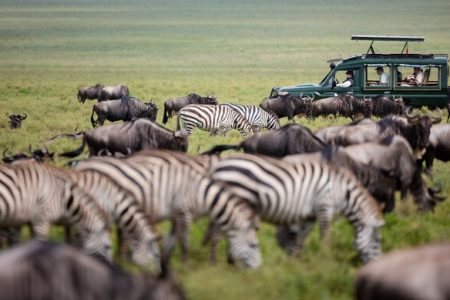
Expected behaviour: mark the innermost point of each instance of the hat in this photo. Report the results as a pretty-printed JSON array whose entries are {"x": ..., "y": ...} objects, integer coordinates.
[
  {"x": 379, "y": 69},
  {"x": 349, "y": 72}
]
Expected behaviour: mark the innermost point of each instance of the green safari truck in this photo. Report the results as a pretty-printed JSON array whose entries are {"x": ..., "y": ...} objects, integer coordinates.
[{"x": 420, "y": 79}]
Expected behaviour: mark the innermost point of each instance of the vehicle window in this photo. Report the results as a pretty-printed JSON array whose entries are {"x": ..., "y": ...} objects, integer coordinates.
[
  {"x": 378, "y": 76},
  {"x": 417, "y": 75}
]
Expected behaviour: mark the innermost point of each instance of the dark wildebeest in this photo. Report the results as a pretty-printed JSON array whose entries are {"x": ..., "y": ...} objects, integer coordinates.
[
  {"x": 327, "y": 134},
  {"x": 412, "y": 274},
  {"x": 40, "y": 270},
  {"x": 339, "y": 105},
  {"x": 89, "y": 92},
  {"x": 383, "y": 106},
  {"x": 289, "y": 139},
  {"x": 112, "y": 92},
  {"x": 397, "y": 159},
  {"x": 415, "y": 128},
  {"x": 130, "y": 137},
  {"x": 287, "y": 105},
  {"x": 15, "y": 121},
  {"x": 126, "y": 109},
  {"x": 438, "y": 147},
  {"x": 174, "y": 105}
]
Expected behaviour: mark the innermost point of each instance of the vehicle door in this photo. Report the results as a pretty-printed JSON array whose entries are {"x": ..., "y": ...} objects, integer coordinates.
[{"x": 377, "y": 79}]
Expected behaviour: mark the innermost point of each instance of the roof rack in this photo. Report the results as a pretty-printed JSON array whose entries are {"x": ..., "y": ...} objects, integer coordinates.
[{"x": 389, "y": 38}]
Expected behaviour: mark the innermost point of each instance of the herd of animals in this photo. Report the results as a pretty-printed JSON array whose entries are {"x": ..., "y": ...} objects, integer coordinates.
[{"x": 139, "y": 173}]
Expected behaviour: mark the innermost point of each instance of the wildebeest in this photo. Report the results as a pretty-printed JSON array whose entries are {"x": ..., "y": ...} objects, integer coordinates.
[
  {"x": 410, "y": 274},
  {"x": 339, "y": 105},
  {"x": 89, "y": 92},
  {"x": 289, "y": 139},
  {"x": 126, "y": 109},
  {"x": 112, "y": 92},
  {"x": 397, "y": 159},
  {"x": 415, "y": 128},
  {"x": 383, "y": 106},
  {"x": 130, "y": 137},
  {"x": 439, "y": 145},
  {"x": 15, "y": 120},
  {"x": 286, "y": 105},
  {"x": 174, "y": 105},
  {"x": 41, "y": 270}
]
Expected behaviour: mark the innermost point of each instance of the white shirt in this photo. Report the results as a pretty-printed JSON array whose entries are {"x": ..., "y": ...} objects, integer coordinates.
[
  {"x": 346, "y": 83},
  {"x": 384, "y": 79}
]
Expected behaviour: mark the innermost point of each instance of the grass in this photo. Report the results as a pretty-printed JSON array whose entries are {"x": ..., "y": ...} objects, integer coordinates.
[{"x": 236, "y": 51}]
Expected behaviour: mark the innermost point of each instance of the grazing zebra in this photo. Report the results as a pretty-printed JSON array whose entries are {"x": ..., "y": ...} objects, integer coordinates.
[
  {"x": 302, "y": 191},
  {"x": 173, "y": 185},
  {"x": 126, "y": 212},
  {"x": 256, "y": 116},
  {"x": 215, "y": 118},
  {"x": 32, "y": 193}
]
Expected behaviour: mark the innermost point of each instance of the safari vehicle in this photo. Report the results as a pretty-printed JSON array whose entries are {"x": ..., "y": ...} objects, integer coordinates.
[{"x": 431, "y": 70}]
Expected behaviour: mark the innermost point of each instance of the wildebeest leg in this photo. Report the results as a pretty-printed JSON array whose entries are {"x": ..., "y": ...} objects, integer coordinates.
[
  {"x": 93, "y": 122},
  {"x": 429, "y": 157},
  {"x": 182, "y": 223}
]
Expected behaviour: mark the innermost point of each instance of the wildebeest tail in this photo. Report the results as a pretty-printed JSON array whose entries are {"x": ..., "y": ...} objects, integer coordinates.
[
  {"x": 221, "y": 148},
  {"x": 74, "y": 153}
]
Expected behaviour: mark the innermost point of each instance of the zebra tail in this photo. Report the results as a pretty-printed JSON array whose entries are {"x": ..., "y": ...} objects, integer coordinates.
[
  {"x": 220, "y": 148},
  {"x": 74, "y": 153}
]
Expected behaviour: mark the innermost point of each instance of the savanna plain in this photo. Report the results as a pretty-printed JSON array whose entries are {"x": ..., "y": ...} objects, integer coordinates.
[{"x": 237, "y": 51}]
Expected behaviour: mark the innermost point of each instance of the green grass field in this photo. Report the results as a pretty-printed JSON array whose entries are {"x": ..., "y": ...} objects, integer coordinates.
[{"x": 236, "y": 51}]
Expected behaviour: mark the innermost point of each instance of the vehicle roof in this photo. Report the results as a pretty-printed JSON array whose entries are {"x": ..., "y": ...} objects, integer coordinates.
[{"x": 397, "y": 58}]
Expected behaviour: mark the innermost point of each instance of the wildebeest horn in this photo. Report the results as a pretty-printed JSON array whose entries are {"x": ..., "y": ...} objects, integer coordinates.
[
  {"x": 7, "y": 114},
  {"x": 438, "y": 117},
  {"x": 24, "y": 117},
  {"x": 411, "y": 116},
  {"x": 5, "y": 155}
]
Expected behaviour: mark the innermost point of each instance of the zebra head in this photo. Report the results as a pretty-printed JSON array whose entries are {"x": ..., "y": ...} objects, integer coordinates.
[
  {"x": 241, "y": 124},
  {"x": 244, "y": 246},
  {"x": 146, "y": 252},
  {"x": 98, "y": 242}
]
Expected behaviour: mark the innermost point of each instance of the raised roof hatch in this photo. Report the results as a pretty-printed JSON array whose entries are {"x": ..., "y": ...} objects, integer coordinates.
[{"x": 388, "y": 38}]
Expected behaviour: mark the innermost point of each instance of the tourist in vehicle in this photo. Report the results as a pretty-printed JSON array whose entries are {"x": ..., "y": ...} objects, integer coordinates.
[
  {"x": 384, "y": 78},
  {"x": 347, "y": 82},
  {"x": 416, "y": 78}
]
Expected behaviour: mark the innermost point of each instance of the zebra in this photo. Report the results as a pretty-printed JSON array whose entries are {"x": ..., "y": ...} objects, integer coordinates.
[
  {"x": 256, "y": 116},
  {"x": 214, "y": 118},
  {"x": 126, "y": 212},
  {"x": 32, "y": 193},
  {"x": 173, "y": 185},
  {"x": 300, "y": 192}
]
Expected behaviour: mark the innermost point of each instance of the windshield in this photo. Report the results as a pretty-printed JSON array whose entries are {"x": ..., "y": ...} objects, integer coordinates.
[{"x": 326, "y": 77}]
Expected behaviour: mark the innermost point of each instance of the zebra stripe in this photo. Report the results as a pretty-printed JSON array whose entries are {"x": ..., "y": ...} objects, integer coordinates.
[
  {"x": 256, "y": 116},
  {"x": 302, "y": 191},
  {"x": 173, "y": 185},
  {"x": 215, "y": 118},
  {"x": 32, "y": 193}
]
